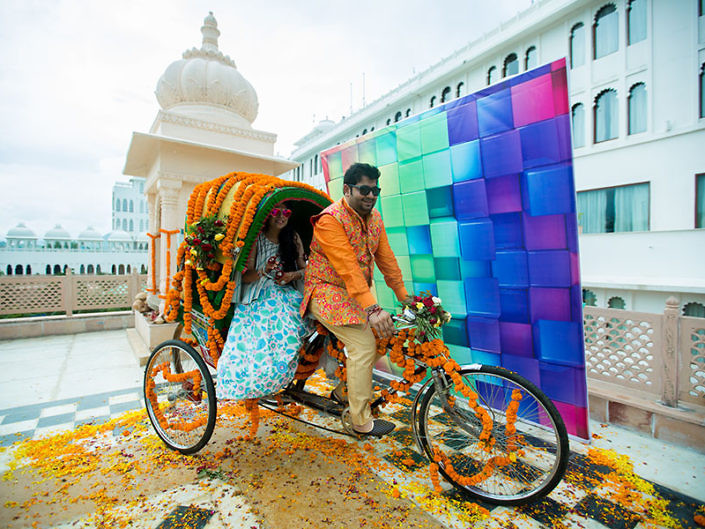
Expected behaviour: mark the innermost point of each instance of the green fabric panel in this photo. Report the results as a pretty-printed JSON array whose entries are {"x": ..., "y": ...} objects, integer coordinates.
[
  {"x": 411, "y": 176},
  {"x": 389, "y": 180},
  {"x": 434, "y": 133},
  {"x": 408, "y": 142},
  {"x": 393, "y": 211},
  {"x": 436, "y": 169},
  {"x": 452, "y": 293},
  {"x": 444, "y": 237},
  {"x": 422, "y": 269},
  {"x": 415, "y": 208}
]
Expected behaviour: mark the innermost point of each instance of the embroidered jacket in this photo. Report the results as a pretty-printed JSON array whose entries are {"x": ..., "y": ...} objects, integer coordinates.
[{"x": 344, "y": 250}]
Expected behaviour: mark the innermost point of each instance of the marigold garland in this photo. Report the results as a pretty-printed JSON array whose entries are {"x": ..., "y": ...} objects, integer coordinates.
[
  {"x": 207, "y": 199},
  {"x": 195, "y": 378},
  {"x": 153, "y": 262}
]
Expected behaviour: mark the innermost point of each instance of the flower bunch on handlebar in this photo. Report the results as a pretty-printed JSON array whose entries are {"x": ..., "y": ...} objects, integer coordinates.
[
  {"x": 202, "y": 240},
  {"x": 274, "y": 268},
  {"x": 427, "y": 314}
]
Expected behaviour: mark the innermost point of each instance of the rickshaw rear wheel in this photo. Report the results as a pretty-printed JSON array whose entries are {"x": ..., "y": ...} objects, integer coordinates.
[{"x": 179, "y": 396}]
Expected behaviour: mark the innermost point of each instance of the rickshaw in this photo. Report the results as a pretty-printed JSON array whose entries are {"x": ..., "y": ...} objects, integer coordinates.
[{"x": 491, "y": 433}]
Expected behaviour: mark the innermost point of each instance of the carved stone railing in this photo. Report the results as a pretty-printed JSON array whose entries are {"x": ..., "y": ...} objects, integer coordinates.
[
  {"x": 40, "y": 294},
  {"x": 662, "y": 355}
]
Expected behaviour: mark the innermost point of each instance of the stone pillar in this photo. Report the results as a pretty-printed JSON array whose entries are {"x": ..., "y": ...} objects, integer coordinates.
[
  {"x": 669, "y": 354},
  {"x": 171, "y": 219}
]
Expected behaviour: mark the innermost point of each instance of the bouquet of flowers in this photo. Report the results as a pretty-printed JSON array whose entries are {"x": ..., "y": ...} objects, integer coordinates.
[
  {"x": 276, "y": 271},
  {"x": 427, "y": 314},
  {"x": 203, "y": 238}
]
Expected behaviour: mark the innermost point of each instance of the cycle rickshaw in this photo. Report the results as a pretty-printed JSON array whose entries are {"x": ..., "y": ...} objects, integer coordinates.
[{"x": 491, "y": 433}]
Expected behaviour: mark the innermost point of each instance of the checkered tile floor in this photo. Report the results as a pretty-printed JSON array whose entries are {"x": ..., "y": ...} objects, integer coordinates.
[
  {"x": 34, "y": 421},
  {"x": 574, "y": 503}
]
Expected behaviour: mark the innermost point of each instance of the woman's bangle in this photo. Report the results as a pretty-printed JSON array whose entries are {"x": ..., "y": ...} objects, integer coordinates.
[{"x": 372, "y": 309}]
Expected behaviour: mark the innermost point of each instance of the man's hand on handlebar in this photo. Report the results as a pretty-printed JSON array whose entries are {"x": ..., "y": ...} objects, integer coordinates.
[{"x": 381, "y": 322}]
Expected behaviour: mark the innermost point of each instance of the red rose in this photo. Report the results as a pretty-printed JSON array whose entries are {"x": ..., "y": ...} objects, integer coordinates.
[
  {"x": 433, "y": 310},
  {"x": 207, "y": 247},
  {"x": 218, "y": 223},
  {"x": 200, "y": 229},
  {"x": 417, "y": 299},
  {"x": 428, "y": 302},
  {"x": 197, "y": 242},
  {"x": 433, "y": 321}
]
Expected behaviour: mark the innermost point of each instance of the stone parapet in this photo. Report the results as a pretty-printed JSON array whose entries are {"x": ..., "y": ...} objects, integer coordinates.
[{"x": 16, "y": 328}]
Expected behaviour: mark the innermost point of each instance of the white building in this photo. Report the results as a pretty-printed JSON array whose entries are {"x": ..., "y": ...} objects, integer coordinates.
[
  {"x": 130, "y": 207},
  {"x": 90, "y": 253},
  {"x": 637, "y": 96}
]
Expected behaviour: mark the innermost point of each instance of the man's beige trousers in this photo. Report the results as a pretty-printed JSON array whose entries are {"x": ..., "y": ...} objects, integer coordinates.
[{"x": 361, "y": 347}]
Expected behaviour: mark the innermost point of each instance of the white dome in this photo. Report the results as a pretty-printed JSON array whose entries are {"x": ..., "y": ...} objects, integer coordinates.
[
  {"x": 89, "y": 234},
  {"x": 20, "y": 232},
  {"x": 207, "y": 78},
  {"x": 119, "y": 236},
  {"x": 57, "y": 233}
]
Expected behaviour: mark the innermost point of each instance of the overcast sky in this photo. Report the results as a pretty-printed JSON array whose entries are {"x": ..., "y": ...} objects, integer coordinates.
[{"x": 78, "y": 77}]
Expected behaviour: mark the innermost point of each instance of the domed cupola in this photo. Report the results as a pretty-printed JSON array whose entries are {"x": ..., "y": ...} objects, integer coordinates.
[{"x": 205, "y": 84}]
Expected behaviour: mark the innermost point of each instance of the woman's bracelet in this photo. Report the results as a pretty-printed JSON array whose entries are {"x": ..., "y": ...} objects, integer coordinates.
[{"x": 372, "y": 310}]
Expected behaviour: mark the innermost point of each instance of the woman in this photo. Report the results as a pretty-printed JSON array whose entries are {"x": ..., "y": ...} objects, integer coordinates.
[{"x": 261, "y": 352}]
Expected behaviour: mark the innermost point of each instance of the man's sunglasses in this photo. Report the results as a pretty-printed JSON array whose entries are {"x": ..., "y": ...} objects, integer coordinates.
[
  {"x": 286, "y": 213},
  {"x": 366, "y": 190}
]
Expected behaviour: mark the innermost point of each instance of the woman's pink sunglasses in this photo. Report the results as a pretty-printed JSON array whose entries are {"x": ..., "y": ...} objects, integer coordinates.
[{"x": 286, "y": 213}]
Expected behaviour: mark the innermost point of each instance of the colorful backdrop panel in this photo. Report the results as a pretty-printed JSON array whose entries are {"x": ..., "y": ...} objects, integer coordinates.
[{"x": 478, "y": 200}]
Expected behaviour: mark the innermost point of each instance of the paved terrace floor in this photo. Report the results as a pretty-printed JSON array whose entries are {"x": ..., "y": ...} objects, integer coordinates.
[{"x": 55, "y": 384}]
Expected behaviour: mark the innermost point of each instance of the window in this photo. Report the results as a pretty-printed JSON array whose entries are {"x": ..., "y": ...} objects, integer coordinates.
[
  {"x": 316, "y": 165},
  {"x": 702, "y": 89},
  {"x": 117, "y": 205},
  {"x": 124, "y": 204},
  {"x": 18, "y": 270},
  {"x": 605, "y": 31},
  {"x": 57, "y": 270},
  {"x": 578, "y": 115},
  {"x": 491, "y": 75},
  {"x": 433, "y": 101},
  {"x": 124, "y": 224},
  {"x": 532, "y": 58},
  {"x": 90, "y": 268},
  {"x": 605, "y": 116},
  {"x": 389, "y": 121},
  {"x": 459, "y": 89},
  {"x": 637, "y": 108},
  {"x": 616, "y": 302},
  {"x": 9, "y": 269},
  {"x": 511, "y": 65},
  {"x": 28, "y": 270},
  {"x": 614, "y": 209},
  {"x": 589, "y": 298},
  {"x": 132, "y": 206},
  {"x": 701, "y": 8},
  {"x": 700, "y": 201},
  {"x": 577, "y": 45},
  {"x": 636, "y": 21},
  {"x": 97, "y": 269},
  {"x": 397, "y": 117},
  {"x": 694, "y": 309},
  {"x": 47, "y": 270},
  {"x": 364, "y": 131},
  {"x": 445, "y": 95},
  {"x": 82, "y": 270},
  {"x": 132, "y": 225},
  {"x": 121, "y": 269},
  {"x": 408, "y": 113}
]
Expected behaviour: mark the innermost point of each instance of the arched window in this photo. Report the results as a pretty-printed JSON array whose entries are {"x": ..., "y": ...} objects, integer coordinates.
[
  {"x": 511, "y": 65},
  {"x": 445, "y": 94},
  {"x": 124, "y": 224},
  {"x": 589, "y": 298},
  {"x": 121, "y": 269},
  {"x": 397, "y": 117},
  {"x": 372, "y": 129},
  {"x": 364, "y": 131},
  {"x": 532, "y": 58},
  {"x": 578, "y": 116},
  {"x": 702, "y": 90},
  {"x": 694, "y": 309},
  {"x": 90, "y": 269},
  {"x": 28, "y": 270},
  {"x": 132, "y": 206},
  {"x": 605, "y": 31},
  {"x": 605, "y": 116},
  {"x": 491, "y": 75},
  {"x": 82, "y": 270},
  {"x": 636, "y": 21},
  {"x": 433, "y": 101},
  {"x": 97, "y": 269},
  {"x": 389, "y": 121},
  {"x": 132, "y": 225},
  {"x": 408, "y": 113},
  {"x": 129, "y": 269},
  {"x": 616, "y": 302},
  {"x": 9, "y": 269},
  {"x": 124, "y": 204},
  {"x": 114, "y": 269},
  {"x": 18, "y": 270},
  {"x": 637, "y": 108},
  {"x": 577, "y": 45},
  {"x": 47, "y": 270},
  {"x": 57, "y": 270},
  {"x": 117, "y": 205},
  {"x": 459, "y": 89}
]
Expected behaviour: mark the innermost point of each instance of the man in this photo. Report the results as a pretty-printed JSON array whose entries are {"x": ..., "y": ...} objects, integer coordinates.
[{"x": 348, "y": 239}]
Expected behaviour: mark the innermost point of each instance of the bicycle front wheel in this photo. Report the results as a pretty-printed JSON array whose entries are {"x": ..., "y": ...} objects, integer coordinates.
[
  {"x": 508, "y": 447},
  {"x": 180, "y": 397}
]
